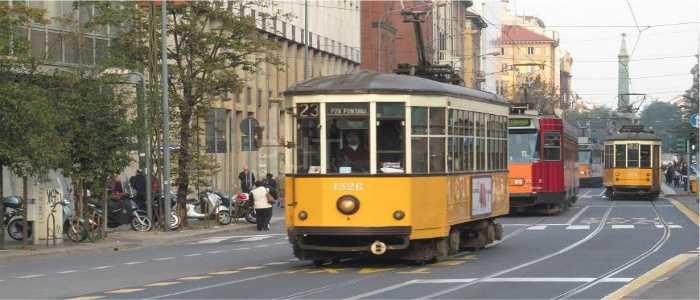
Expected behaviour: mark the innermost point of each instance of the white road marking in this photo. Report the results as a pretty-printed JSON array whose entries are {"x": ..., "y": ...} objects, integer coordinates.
[
  {"x": 251, "y": 268},
  {"x": 164, "y": 258},
  {"x": 216, "y": 251},
  {"x": 256, "y": 238},
  {"x": 281, "y": 243},
  {"x": 578, "y": 227},
  {"x": 296, "y": 259},
  {"x": 277, "y": 263},
  {"x": 521, "y": 279},
  {"x": 382, "y": 290},
  {"x": 193, "y": 254},
  {"x": 537, "y": 227},
  {"x": 213, "y": 240},
  {"x": 669, "y": 226},
  {"x": 577, "y": 215},
  {"x": 261, "y": 246},
  {"x": 188, "y": 291},
  {"x": 67, "y": 272},
  {"x": 134, "y": 263},
  {"x": 218, "y": 239},
  {"x": 101, "y": 268},
  {"x": 30, "y": 276},
  {"x": 619, "y": 226}
]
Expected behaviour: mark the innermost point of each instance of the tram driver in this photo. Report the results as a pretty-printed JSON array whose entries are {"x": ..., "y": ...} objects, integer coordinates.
[{"x": 354, "y": 154}]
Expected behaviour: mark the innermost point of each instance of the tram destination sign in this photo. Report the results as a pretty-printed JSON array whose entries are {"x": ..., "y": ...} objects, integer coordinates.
[
  {"x": 520, "y": 122},
  {"x": 347, "y": 111}
]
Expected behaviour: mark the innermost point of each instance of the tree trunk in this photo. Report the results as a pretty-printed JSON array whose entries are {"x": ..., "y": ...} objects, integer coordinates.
[
  {"x": 2, "y": 208},
  {"x": 25, "y": 204},
  {"x": 184, "y": 160}
]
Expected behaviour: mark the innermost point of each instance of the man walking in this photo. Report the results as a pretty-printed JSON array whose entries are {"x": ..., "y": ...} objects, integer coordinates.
[{"x": 247, "y": 179}]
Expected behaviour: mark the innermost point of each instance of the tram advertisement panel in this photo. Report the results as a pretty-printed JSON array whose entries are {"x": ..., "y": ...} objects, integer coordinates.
[{"x": 482, "y": 191}]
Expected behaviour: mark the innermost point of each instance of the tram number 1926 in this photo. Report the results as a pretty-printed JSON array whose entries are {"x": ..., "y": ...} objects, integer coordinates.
[{"x": 308, "y": 110}]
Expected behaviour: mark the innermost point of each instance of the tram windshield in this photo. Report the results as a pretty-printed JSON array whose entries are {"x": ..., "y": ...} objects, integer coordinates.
[
  {"x": 584, "y": 156},
  {"x": 347, "y": 138},
  {"x": 523, "y": 147}
]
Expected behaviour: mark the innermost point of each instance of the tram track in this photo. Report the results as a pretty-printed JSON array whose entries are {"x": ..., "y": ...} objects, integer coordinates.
[
  {"x": 568, "y": 248},
  {"x": 630, "y": 263}
]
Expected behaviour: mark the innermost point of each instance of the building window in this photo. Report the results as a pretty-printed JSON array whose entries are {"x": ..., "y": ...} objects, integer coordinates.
[
  {"x": 216, "y": 130},
  {"x": 530, "y": 50},
  {"x": 503, "y": 51},
  {"x": 258, "y": 99},
  {"x": 248, "y": 96},
  {"x": 38, "y": 43},
  {"x": 504, "y": 67}
]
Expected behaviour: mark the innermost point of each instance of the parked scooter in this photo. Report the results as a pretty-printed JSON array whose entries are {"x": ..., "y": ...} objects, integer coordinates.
[
  {"x": 210, "y": 204},
  {"x": 13, "y": 218},
  {"x": 174, "y": 217},
  {"x": 126, "y": 211},
  {"x": 243, "y": 208}
]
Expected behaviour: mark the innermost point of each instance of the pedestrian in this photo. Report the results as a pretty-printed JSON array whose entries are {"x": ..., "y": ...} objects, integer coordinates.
[
  {"x": 247, "y": 179},
  {"x": 669, "y": 174},
  {"x": 116, "y": 189},
  {"x": 271, "y": 185},
  {"x": 262, "y": 201},
  {"x": 138, "y": 183}
]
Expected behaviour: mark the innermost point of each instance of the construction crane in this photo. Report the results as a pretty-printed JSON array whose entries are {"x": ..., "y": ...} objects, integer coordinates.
[{"x": 424, "y": 69}]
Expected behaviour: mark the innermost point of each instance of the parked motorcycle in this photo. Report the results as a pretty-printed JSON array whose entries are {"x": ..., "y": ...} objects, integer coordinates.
[
  {"x": 126, "y": 211},
  {"x": 13, "y": 218},
  {"x": 210, "y": 204},
  {"x": 174, "y": 217},
  {"x": 243, "y": 207}
]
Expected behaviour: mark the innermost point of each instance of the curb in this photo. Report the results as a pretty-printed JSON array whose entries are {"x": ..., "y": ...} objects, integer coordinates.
[{"x": 119, "y": 243}]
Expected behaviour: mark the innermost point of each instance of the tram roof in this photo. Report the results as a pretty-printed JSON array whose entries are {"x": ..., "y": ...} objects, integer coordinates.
[
  {"x": 639, "y": 136},
  {"x": 370, "y": 82}
]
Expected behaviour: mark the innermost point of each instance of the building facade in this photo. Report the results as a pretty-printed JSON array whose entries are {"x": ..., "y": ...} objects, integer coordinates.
[
  {"x": 387, "y": 40},
  {"x": 473, "y": 74},
  {"x": 334, "y": 48}
]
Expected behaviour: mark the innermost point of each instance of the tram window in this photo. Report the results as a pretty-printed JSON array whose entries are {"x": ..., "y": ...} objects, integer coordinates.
[
  {"x": 451, "y": 121},
  {"x": 437, "y": 121},
  {"x": 347, "y": 137},
  {"x": 437, "y": 155},
  {"x": 461, "y": 122},
  {"x": 645, "y": 156},
  {"x": 632, "y": 155},
  {"x": 461, "y": 163},
  {"x": 552, "y": 146},
  {"x": 620, "y": 161},
  {"x": 480, "y": 154},
  {"x": 419, "y": 120},
  {"x": 419, "y": 154},
  {"x": 468, "y": 148},
  {"x": 469, "y": 124},
  {"x": 609, "y": 154},
  {"x": 451, "y": 154},
  {"x": 308, "y": 139},
  {"x": 390, "y": 138}
]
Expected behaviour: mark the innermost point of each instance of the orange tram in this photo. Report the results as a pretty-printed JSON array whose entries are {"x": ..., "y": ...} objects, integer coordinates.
[
  {"x": 390, "y": 165},
  {"x": 542, "y": 163}
]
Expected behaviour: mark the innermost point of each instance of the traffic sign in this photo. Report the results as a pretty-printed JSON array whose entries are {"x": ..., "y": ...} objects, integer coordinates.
[{"x": 694, "y": 120}]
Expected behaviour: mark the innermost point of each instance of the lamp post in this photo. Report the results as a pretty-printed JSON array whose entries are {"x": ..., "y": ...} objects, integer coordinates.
[
  {"x": 166, "y": 115},
  {"x": 145, "y": 138}
]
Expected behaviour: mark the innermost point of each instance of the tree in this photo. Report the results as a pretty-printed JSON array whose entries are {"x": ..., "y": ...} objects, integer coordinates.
[
  {"x": 665, "y": 119},
  {"x": 210, "y": 46}
]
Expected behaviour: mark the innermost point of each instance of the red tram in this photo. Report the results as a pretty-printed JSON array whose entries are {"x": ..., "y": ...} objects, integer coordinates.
[{"x": 542, "y": 160}]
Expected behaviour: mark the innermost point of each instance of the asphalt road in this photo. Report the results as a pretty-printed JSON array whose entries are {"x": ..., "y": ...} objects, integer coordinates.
[{"x": 591, "y": 250}]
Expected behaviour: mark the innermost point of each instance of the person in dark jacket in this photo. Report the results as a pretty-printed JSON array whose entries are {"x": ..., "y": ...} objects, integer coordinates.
[
  {"x": 138, "y": 183},
  {"x": 247, "y": 179}
]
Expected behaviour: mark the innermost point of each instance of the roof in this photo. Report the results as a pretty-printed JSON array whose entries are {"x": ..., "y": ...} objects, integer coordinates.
[
  {"x": 513, "y": 34},
  {"x": 640, "y": 136},
  {"x": 370, "y": 82}
]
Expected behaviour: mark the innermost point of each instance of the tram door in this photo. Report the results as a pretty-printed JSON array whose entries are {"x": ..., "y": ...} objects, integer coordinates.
[{"x": 655, "y": 166}]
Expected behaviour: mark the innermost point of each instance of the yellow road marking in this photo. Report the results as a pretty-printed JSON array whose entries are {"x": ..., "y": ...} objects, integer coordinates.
[
  {"x": 327, "y": 270},
  {"x": 164, "y": 283},
  {"x": 298, "y": 270},
  {"x": 374, "y": 270},
  {"x": 87, "y": 298},
  {"x": 449, "y": 263},
  {"x": 687, "y": 211},
  {"x": 465, "y": 257},
  {"x": 417, "y": 271},
  {"x": 224, "y": 273},
  {"x": 648, "y": 277},
  {"x": 194, "y": 277},
  {"x": 124, "y": 291}
]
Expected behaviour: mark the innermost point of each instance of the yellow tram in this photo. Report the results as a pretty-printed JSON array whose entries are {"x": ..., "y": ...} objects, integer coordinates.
[
  {"x": 393, "y": 165},
  {"x": 632, "y": 163}
]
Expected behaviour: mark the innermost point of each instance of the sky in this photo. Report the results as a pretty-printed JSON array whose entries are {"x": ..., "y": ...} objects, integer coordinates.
[{"x": 656, "y": 58}]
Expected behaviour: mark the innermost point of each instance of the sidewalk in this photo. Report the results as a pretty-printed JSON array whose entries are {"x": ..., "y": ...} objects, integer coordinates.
[
  {"x": 680, "y": 282},
  {"x": 123, "y": 238}
]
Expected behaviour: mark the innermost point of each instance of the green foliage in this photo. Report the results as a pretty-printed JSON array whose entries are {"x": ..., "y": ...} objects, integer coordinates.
[
  {"x": 666, "y": 121},
  {"x": 210, "y": 47}
]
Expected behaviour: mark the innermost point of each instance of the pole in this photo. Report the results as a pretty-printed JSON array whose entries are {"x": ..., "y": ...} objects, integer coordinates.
[
  {"x": 140, "y": 93},
  {"x": 306, "y": 40},
  {"x": 687, "y": 165},
  {"x": 250, "y": 155},
  {"x": 166, "y": 114},
  {"x": 2, "y": 208}
]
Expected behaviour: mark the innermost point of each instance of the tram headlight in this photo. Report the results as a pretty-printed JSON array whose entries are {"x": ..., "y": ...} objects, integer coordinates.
[
  {"x": 518, "y": 181},
  {"x": 398, "y": 215},
  {"x": 348, "y": 204},
  {"x": 303, "y": 215}
]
